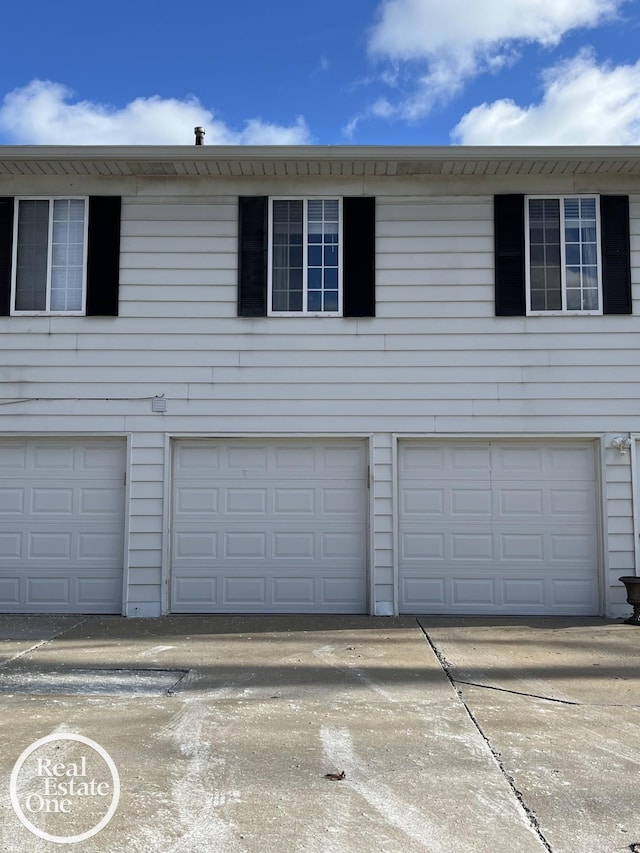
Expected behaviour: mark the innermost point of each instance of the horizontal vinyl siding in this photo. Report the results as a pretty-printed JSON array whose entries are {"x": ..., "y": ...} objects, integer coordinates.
[
  {"x": 435, "y": 356},
  {"x": 146, "y": 505},
  {"x": 619, "y": 544},
  {"x": 381, "y": 483}
]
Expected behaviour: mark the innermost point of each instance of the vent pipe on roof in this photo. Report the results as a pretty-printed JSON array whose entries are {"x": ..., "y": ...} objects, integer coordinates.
[{"x": 199, "y": 132}]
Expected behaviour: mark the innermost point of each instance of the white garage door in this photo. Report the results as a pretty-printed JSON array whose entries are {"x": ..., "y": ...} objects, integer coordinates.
[
  {"x": 269, "y": 526},
  {"x": 498, "y": 527},
  {"x": 61, "y": 525}
]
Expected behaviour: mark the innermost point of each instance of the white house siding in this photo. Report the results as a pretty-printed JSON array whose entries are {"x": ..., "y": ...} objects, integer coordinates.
[
  {"x": 434, "y": 361},
  {"x": 147, "y": 503},
  {"x": 619, "y": 545}
]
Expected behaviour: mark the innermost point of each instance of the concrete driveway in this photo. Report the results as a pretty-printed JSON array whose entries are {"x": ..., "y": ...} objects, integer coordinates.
[{"x": 438, "y": 735}]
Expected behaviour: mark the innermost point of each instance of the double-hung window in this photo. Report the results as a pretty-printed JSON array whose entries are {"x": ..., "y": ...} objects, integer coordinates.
[
  {"x": 305, "y": 256},
  {"x": 49, "y": 256},
  {"x": 563, "y": 255}
]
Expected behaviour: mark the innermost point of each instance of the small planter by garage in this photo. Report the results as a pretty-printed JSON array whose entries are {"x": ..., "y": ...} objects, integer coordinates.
[{"x": 632, "y": 585}]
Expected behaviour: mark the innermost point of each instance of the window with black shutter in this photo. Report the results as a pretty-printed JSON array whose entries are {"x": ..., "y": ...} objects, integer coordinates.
[
  {"x": 60, "y": 255},
  {"x": 562, "y": 255},
  {"x": 306, "y": 256}
]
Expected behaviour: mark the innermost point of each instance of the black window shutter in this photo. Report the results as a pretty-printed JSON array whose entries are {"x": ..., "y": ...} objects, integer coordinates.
[
  {"x": 252, "y": 256},
  {"x": 103, "y": 256},
  {"x": 6, "y": 242},
  {"x": 508, "y": 213},
  {"x": 616, "y": 261},
  {"x": 359, "y": 256}
]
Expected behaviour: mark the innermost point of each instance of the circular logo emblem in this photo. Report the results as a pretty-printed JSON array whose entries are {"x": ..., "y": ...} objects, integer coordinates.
[{"x": 65, "y": 788}]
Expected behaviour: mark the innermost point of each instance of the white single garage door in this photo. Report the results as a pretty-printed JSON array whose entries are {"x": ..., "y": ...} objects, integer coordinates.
[
  {"x": 498, "y": 527},
  {"x": 61, "y": 525},
  {"x": 269, "y": 527}
]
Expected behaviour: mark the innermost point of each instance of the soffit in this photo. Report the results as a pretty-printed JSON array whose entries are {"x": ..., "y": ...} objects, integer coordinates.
[{"x": 315, "y": 161}]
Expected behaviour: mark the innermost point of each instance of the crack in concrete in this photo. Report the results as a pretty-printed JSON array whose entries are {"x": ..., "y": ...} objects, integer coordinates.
[
  {"x": 530, "y": 815},
  {"x": 542, "y": 698},
  {"x": 42, "y": 643},
  {"x": 519, "y": 692}
]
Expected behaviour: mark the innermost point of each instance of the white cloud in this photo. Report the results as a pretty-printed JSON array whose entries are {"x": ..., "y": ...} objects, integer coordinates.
[
  {"x": 442, "y": 45},
  {"x": 582, "y": 104},
  {"x": 45, "y": 113}
]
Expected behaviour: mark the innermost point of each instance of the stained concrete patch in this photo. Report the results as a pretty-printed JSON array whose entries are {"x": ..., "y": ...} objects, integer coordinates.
[{"x": 86, "y": 682}]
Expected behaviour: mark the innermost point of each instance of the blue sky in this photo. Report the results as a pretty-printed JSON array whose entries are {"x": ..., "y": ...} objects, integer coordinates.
[{"x": 363, "y": 72}]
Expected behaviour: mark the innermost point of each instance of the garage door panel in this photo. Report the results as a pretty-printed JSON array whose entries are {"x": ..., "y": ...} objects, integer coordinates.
[
  {"x": 521, "y": 546},
  {"x": 343, "y": 502},
  {"x": 287, "y": 500},
  {"x": 50, "y": 546},
  {"x": 341, "y": 594},
  {"x": 192, "y": 591},
  {"x": 197, "y": 461},
  {"x": 13, "y": 456},
  {"x": 473, "y": 592},
  {"x": 245, "y": 501},
  {"x": 91, "y": 591},
  {"x": 570, "y": 503},
  {"x": 569, "y": 591},
  {"x": 12, "y": 501},
  {"x": 245, "y": 545},
  {"x": 103, "y": 502},
  {"x": 575, "y": 463},
  {"x": 515, "y": 504},
  {"x": 512, "y": 542},
  {"x": 294, "y": 546},
  {"x": 48, "y": 457},
  {"x": 572, "y": 547},
  {"x": 52, "y": 501},
  {"x": 244, "y": 593},
  {"x": 49, "y": 591},
  {"x": 297, "y": 592},
  {"x": 10, "y": 591},
  {"x": 343, "y": 547},
  {"x": 195, "y": 545},
  {"x": 425, "y": 594},
  {"x": 100, "y": 459},
  {"x": 418, "y": 503},
  {"x": 422, "y": 546},
  {"x": 104, "y": 547},
  {"x": 192, "y": 502},
  {"x": 10, "y": 547},
  {"x": 277, "y": 526},
  {"x": 471, "y": 546},
  {"x": 470, "y": 502},
  {"x": 524, "y": 592}
]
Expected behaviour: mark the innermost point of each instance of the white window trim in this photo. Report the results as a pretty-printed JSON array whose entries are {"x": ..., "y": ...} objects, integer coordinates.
[
  {"x": 563, "y": 312},
  {"x": 47, "y": 312},
  {"x": 304, "y": 313}
]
